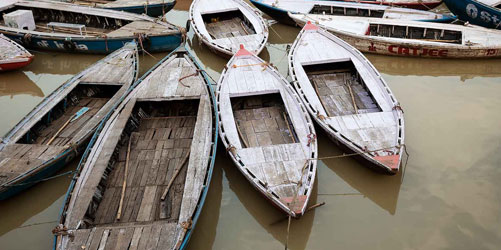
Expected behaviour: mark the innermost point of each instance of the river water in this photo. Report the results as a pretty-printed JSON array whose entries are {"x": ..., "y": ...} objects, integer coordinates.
[{"x": 450, "y": 196}]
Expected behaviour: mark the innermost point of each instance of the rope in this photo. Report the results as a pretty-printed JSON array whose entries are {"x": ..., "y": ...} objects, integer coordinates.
[
  {"x": 34, "y": 182},
  {"x": 354, "y": 154},
  {"x": 38, "y": 223},
  {"x": 190, "y": 75},
  {"x": 288, "y": 230},
  {"x": 405, "y": 165}
]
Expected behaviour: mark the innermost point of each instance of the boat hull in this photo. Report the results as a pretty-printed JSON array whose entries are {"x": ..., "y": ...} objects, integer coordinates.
[
  {"x": 96, "y": 45},
  {"x": 15, "y": 64},
  {"x": 416, "y": 5},
  {"x": 475, "y": 13},
  {"x": 410, "y": 48},
  {"x": 43, "y": 172},
  {"x": 276, "y": 13},
  {"x": 153, "y": 10}
]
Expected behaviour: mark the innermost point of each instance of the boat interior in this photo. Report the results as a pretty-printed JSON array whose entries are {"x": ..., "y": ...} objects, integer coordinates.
[
  {"x": 262, "y": 120},
  {"x": 345, "y": 11},
  {"x": 228, "y": 24},
  {"x": 340, "y": 88},
  {"x": 81, "y": 104},
  {"x": 155, "y": 141},
  {"x": 421, "y": 33}
]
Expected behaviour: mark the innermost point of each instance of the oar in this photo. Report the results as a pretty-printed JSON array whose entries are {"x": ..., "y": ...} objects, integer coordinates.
[
  {"x": 175, "y": 175},
  {"x": 72, "y": 118}
]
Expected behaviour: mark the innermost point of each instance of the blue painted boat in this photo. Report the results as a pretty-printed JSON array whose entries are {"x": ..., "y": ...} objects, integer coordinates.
[
  {"x": 278, "y": 10},
  {"x": 152, "y": 8},
  {"x": 73, "y": 28},
  {"x": 476, "y": 12},
  {"x": 176, "y": 93},
  {"x": 57, "y": 130}
]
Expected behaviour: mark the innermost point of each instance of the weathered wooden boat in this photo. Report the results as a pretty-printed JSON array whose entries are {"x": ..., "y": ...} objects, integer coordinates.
[
  {"x": 278, "y": 10},
  {"x": 348, "y": 98},
  {"x": 152, "y": 8},
  {"x": 412, "y": 4},
  {"x": 134, "y": 190},
  {"x": 12, "y": 55},
  {"x": 224, "y": 25},
  {"x": 485, "y": 13},
  {"x": 267, "y": 131},
  {"x": 411, "y": 38},
  {"x": 58, "y": 128},
  {"x": 73, "y": 28}
]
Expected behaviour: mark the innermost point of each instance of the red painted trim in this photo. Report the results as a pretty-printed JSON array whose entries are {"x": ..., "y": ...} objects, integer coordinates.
[
  {"x": 243, "y": 51},
  {"x": 391, "y": 161},
  {"x": 15, "y": 65},
  {"x": 310, "y": 26}
]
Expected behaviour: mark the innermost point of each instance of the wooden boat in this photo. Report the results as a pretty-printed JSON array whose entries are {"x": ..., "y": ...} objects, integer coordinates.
[
  {"x": 152, "y": 8},
  {"x": 138, "y": 159},
  {"x": 224, "y": 25},
  {"x": 411, "y": 38},
  {"x": 58, "y": 128},
  {"x": 267, "y": 131},
  {"x": 412, "y": 4},
  {"x": 12, "y": 55},
  {"x": 73, "y": 28},
  {"x": 278, "y": 10},
  {"x": 485, "y": 13},
  {"x": 348, "y": 98}
]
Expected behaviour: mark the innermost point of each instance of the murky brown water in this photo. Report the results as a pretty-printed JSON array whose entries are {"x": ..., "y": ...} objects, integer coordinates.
[{"x": 450, "y": 197}]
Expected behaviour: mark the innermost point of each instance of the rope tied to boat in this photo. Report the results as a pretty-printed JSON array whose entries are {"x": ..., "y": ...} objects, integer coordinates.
[
  {"x": 105, "y": 41},
  {"x": 62, "y": 230},
  {"x": 398, "y": 108},
  {"x": 142, "y": 37},
  {"x": 190, "y": 75},
  {"x": 311, "y": 138},
  {"x": 263, "y": 64},
  {"x": 185, "y": 225},
  {"x": 231, "y": 149}
]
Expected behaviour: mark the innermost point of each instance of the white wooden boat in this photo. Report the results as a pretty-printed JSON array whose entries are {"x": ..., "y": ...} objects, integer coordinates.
[
  {"x": 149, "y": 7},
  {"x": 278, "y": 10},
  {"x": 348, "y": 98},
  {"x": 267, "y": 132},
  {"x": 59, "y": 128},
  {"x": 413, "y": 4},
  {"x": 411, "y": 38},
  {"x": 225, "y": 24},
  {"x": 72, "y": 28},
  {"x": 159, "y": 143},
  {"x": 12, "y": 55}
]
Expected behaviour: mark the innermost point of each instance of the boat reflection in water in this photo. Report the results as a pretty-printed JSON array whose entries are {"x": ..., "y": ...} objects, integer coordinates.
[
  {"x": 263, "y": 212},
  {"x": 465, "y": 69},
  {"x": 380, "y": 189},
  {"x": 18, "y": 83}
]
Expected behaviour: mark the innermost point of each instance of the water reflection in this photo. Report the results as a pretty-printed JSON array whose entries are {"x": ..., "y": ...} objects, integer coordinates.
[
  {"x": 270, "y": 218},
  {"x": 17, "y": 83},
  {"x": 381, "y": 189},
  {"x": 206, "y": 228},
  {"x": 20, "y": 208},
  {"x": 61, "y": 63},
  {"x": 465, "y": 69}
]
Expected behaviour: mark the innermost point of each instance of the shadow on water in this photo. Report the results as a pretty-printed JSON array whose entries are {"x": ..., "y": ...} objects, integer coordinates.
[
  {"x": 17, "y": 83},
  {"x": 381, "y": 189},
  {"x": 269, "y": 217},
  {"x": 465, "y": 69},
  {"x": 14, "y": 212},
  {"x": 204, "y": 234},
  {"x": 59, "y": 63}
]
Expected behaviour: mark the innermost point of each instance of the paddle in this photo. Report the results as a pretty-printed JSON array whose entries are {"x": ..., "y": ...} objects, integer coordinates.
[{"x": 75, "y": 116}]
